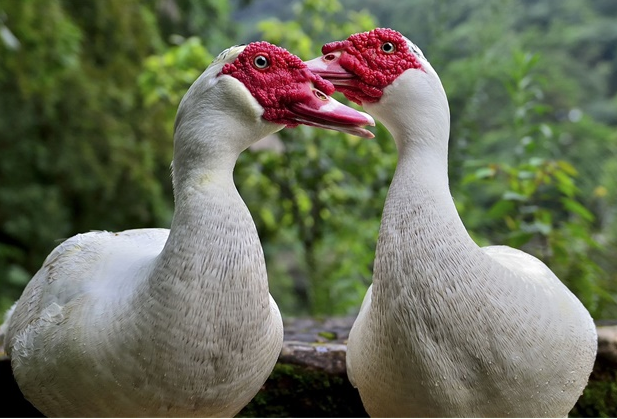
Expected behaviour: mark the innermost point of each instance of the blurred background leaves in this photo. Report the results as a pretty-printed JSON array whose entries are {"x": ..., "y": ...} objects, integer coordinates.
[{"x": 89, "y": 90}]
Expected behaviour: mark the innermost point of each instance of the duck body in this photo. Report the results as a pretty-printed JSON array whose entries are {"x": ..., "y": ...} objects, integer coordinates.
[
  {"x": 448, "y": 328},
  {"x": 124, "y": 334},
  {"x": 178, "y": 322},
  {"x": 452, "y": 329}
]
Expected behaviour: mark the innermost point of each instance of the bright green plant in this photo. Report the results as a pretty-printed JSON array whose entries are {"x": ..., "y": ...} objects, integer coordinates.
[
  {"x": 535, "y": 195},
  {"x": 77, "y": 152}
]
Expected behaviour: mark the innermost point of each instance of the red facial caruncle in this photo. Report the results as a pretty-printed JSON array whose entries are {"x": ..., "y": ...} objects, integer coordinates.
[
  {"x": 374, "y": 60},
  {"x": 274, "y": 77}
]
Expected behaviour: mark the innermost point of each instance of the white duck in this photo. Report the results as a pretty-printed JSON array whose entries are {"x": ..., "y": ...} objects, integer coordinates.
[
  {"x": 179, "y": 322},
  {"x": 448, "y": 328}
]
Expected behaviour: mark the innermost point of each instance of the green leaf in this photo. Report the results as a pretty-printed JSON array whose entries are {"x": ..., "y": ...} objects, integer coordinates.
[
  {"x": 567, "y": 167},
  {"x": 500, "y": 209},
  {"x": 577, "y": 208},
  {"x": 514, "y": 196},
  {"x": 519, "y": 238},
  {"x": 565, "y": 183},
  {"x": 484, "y": 172}
]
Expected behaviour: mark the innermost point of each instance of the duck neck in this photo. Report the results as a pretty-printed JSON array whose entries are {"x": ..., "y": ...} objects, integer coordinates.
[
  {"x": 419, "y": 210},
  {"x": 421, "y": 237},
  {"x": 213, "y": 243}
]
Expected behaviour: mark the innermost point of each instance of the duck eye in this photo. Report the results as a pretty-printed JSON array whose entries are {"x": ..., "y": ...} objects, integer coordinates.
[
  {"x": 261, "y": 62},
  {"x": 388, "y": 47}
]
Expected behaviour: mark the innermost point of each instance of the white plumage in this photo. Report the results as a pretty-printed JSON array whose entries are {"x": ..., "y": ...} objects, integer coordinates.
[{"x": 449, "y": 328}]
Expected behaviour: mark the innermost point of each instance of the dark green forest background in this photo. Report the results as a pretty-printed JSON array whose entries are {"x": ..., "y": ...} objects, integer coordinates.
[{"x": 89, "y": 90}]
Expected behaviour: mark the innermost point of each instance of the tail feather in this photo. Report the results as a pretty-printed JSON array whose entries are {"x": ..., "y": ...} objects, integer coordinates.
[{"x": 4, "y": 327}]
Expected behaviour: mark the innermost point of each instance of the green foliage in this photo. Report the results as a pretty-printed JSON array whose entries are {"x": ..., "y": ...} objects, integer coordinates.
[
  {"x": 210, "y": 20},
  {"x": 166, "y": 77},
  {"x": 536, "y": 197},
  {"x": 90, "y": 91},
  {"x": 74, "y": 154},
  {"x": 315, "y": 22}
]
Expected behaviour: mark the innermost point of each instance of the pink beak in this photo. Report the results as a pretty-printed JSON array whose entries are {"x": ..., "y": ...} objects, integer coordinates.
[
  {"x": 317, "y": 109},
  {"x": 328, "y": 67}
]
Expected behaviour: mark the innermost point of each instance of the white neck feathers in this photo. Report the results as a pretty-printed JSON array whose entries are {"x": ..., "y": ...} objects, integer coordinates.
[
  {"x": 419, "y": 213},
  {"x": 216, "y": 121},
  {"x": 213, "y": 237}
]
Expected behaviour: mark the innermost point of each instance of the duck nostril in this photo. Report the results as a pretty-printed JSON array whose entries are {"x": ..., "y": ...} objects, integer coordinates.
[
  {"x": 329, "y": 57},
  {"x": 320, "y": 95}
]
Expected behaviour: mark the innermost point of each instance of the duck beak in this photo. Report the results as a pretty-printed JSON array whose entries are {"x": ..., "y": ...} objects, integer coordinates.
[
  {"x": 328, "y": 67},
  {"x": 315, "y": 108}
]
